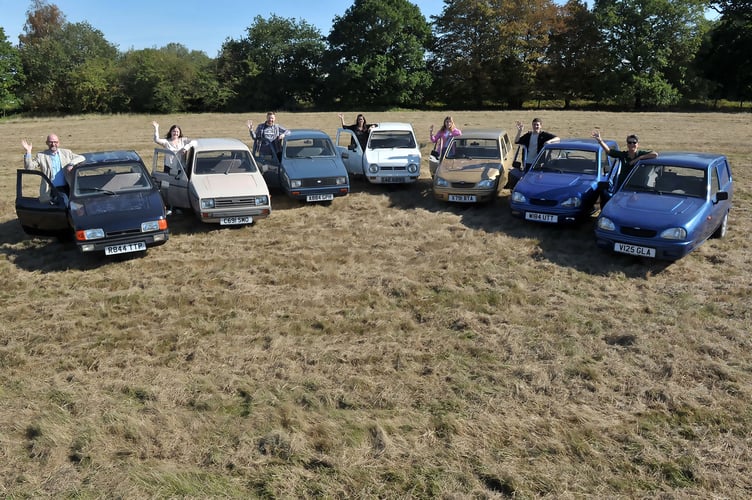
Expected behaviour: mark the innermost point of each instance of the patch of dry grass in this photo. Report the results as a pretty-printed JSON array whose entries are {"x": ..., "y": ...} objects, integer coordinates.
[{"x": 384, "y": 346}]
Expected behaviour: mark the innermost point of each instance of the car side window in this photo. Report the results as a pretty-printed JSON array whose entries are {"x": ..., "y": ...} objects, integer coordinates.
[
  {"x": 715, "y": 184},
  {"x": 723, "y": 172}
]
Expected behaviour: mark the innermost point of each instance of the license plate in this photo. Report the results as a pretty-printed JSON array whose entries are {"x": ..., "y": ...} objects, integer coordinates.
[
  {"x": 230, "y": 221},
  {"x": 392, "y": 180},
  {"x": 463, "y": 198},
  {"x": 541, "y": 217},
  {"x": 319, "y": 197},
  {"x": 634, "y": 250},
  {"x": 139, "y": 246}
]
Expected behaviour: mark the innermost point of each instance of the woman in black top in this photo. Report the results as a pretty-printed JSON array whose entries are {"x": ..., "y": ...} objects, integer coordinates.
[{"x": 361, "y": 128}]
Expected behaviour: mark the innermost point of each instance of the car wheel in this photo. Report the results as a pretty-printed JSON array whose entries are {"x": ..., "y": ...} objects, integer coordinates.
[{"x": 720, "y": 231}]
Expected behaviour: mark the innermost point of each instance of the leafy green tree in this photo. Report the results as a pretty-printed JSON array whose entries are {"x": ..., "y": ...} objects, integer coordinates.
[
  {"x": 651, "y": 44},
  {"x": 377, "y": 55},
  {"x": 70, "y": 70},
  {"x": 724, "y": 57},
  {"x": 574, "y": 56},
  {"x": 491, "y": 51},
  {"x": 11, "y": 76},
  {"x": 278, "y": 65},
  {"x": 168, "y": 80}
]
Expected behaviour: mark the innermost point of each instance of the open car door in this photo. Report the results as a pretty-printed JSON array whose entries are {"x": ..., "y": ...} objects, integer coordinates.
[
  {"x": 172, "y": 177},
  {"x": 348, "y": 148},
  {"x": 518, "y": 167},
  {"x": 40, "y": 215}
]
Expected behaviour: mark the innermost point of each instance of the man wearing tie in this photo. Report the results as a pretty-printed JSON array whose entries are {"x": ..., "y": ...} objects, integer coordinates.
[{"x": 56, "y": 163}]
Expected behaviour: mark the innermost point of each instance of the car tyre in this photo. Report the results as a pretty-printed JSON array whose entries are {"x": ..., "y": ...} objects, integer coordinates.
[{"x": 722, "y": 228}]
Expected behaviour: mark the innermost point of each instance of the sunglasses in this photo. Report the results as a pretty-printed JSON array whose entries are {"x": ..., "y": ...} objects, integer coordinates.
[{"x": 631, "y": 142}]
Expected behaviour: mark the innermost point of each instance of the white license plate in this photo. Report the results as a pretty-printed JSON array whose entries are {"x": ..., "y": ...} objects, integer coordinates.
[
  {"x": 319, "y": 197},
  {"x": 634, "y": 250},
  {"x": 230, "y": 221},
  {"x": 139, "y": 246},
  {"x": 464, "y": 198},
  {"x": 392, "y": 180},
  {"x": 541, "y": 217}
]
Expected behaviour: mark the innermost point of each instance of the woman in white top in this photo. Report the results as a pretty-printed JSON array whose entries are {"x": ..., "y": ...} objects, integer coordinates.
[{"x": 174, "y": 141}]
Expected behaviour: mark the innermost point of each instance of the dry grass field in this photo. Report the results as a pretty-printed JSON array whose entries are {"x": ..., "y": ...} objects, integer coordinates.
[{"x": 384, "y": 346}]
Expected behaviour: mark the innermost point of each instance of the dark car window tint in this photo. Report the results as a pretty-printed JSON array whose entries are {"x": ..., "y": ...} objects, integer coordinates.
[
  {"x": 392, "y": 139},
  {"x": 110, "y": 179}
]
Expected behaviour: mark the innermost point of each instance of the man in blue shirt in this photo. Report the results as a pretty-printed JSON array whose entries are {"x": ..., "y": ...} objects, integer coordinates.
[{"x": 55, "y": 162}]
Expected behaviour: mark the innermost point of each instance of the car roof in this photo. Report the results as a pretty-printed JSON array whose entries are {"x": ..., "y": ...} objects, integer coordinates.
[
  {"x": 119, "y": 155},
  {"x": 481, "y": 133},
  {"x": 215, "y": 143},
  {"x": 393, "y": 126},
  {"x": 300, "y": 133},
  {"x": 581, "y": 143},
  {"x": 685, "y": 159}
]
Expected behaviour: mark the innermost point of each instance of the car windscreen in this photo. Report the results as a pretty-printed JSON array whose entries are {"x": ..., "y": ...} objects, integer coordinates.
[
  {"x": 110, "y": 179},
  {"x": 567, "y": 161},
  {"x": 223, "y": 162},
  {"x": 667, "y": 179},
  {"x": 388, "y": 139},
  {"x": 480, "y": 149},
  {"x": 308, "y": 148}
]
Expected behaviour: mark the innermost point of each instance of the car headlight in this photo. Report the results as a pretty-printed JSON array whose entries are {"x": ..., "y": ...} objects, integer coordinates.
[
  {"x": 440, "y": 182},
  {"x": 486, "y": 183},
  {"x": 207, "y": 203},
  {"x": 573, "y": 202},
  {"x": 152, "y": 225},
  {"x": 412, "y": 168},
  {"x": 518, "y": 197},
  {"x": 373, "y": 168},
  {"x": 295, "y": 183},
  {"x": 606, "y": 224},
  {"x": 674, "y": 233},
  {"x": 262, "y": 200},
  {"x": 90, "y": 234},
  {"x": 340, "y": 180}
]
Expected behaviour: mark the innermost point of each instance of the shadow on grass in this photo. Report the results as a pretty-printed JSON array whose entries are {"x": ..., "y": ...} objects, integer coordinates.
[
  {"x": 50, "y": 254},
  {"x": 566, "y": 245}
]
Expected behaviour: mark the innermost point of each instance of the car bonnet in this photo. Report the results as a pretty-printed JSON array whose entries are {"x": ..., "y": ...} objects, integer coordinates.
[
  {"x": 467, "y": 170},
  {"x": 539, "y": 182},
  {"x": 229, "y": 185},
  {"x": 306, "y": 168},
  {"x": 633, "y": 208},
  {"x": 392, "y": 156}
]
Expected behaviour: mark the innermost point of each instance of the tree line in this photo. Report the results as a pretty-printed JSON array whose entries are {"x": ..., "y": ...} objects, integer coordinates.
[{"x": 380, "y": 54}]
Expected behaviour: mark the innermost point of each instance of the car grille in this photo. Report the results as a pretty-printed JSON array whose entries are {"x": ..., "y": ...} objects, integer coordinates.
[
  {"x": 394, "y": 169},
  {"x": 115, "y": 234},
  {"x": 463, "y": 185},
  {"x": 312, "y": 183},
  {"x": 241, "y": 201},
  {"x": 543, "y": 203},
  {"x": 636, "y": 231}
]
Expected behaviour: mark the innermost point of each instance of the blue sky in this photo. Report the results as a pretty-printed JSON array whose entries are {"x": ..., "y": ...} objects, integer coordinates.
[{"x": 197, "y": 24}]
